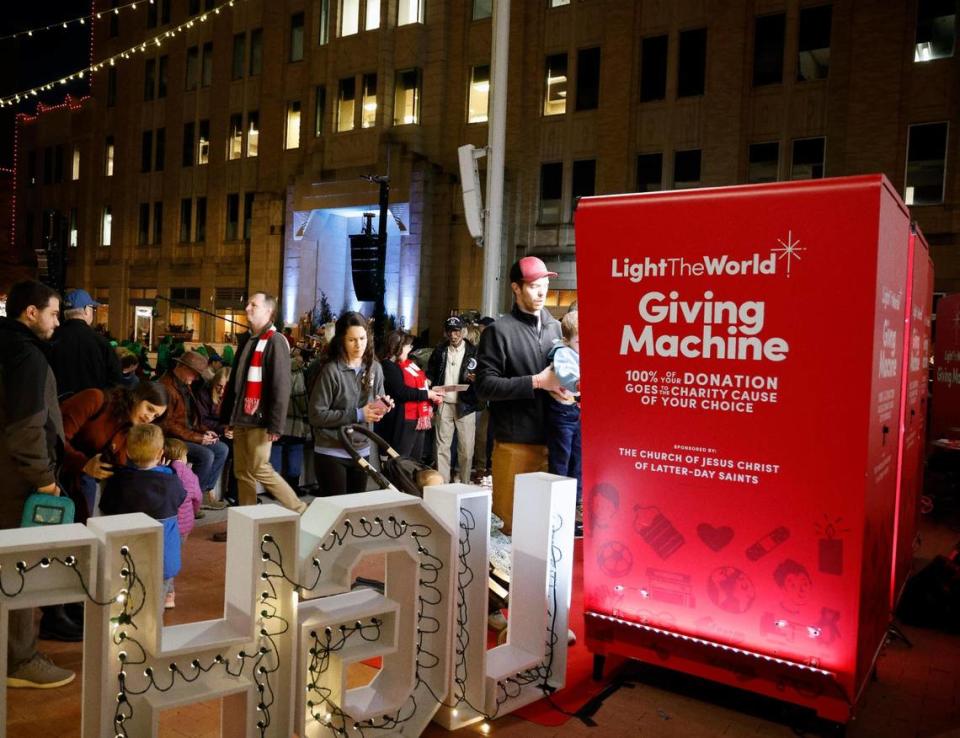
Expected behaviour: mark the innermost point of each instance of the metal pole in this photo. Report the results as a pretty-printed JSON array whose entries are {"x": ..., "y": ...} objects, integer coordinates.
[{"x": 493, "y": 223}]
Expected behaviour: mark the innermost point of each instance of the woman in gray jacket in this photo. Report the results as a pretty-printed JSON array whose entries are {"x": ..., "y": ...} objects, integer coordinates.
[{"x": 348, "y": 389}]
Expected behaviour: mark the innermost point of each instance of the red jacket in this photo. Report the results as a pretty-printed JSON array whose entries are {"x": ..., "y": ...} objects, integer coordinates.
[
  {"x": 175, "y": 422},
  {"x": 90, "y": 428}
]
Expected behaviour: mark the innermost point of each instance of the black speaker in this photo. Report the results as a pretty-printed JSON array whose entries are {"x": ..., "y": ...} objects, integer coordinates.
[{"x": 364, "y": 261}]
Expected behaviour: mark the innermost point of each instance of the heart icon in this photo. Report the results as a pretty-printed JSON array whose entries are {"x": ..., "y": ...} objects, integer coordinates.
[{"x": 714, "y": 538}]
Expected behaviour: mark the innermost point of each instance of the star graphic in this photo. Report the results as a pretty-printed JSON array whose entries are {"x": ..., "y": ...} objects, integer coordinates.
[{"x": 789, "y": 249}]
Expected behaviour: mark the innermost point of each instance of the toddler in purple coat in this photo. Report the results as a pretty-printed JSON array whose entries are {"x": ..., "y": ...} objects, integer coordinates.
[{"x": 175, "y": 452}]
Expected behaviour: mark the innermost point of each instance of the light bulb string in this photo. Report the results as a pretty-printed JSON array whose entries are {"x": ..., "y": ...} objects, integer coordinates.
[{"x": 79, "y": 20}]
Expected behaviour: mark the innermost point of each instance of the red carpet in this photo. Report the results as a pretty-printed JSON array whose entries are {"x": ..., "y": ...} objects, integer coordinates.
[{"x": 580, "y": 687}]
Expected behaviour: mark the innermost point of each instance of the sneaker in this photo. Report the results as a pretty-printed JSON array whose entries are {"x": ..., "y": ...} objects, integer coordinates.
[
  {"x": 170, "y": 601},
  {"x": 39, "y": 672},
  {"x": 211, "y": 504}
]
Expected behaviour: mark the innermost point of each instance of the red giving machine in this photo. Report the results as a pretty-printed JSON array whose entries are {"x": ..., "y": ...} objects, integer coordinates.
[{"x": 742, "y": 353}]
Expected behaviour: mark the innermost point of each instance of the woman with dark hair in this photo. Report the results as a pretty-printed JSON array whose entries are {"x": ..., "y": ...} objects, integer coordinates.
[
  {"x": 348, "y": 389},
  {"x": 405, "y": 426},
  {"x": 95, "y": 426}
]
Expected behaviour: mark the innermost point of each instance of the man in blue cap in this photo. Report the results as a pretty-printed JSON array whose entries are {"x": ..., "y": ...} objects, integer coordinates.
[{"x": 80, "y": 358}]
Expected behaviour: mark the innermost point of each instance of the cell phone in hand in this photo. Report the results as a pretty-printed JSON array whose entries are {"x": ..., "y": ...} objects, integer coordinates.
[{"x": 379, "y": 406}]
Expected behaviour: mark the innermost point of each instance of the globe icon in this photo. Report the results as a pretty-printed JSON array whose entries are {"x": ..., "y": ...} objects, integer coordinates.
[
  {"x": 615, "y": 559},
  {"x": 730, "y": 589}
]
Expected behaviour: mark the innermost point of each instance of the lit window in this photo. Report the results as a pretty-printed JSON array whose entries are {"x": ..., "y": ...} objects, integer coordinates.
[
  {"x": 345, "y": 104},
  {"x": 292, "y": 130},
  {"x": 649, "y": 172},
  {"x": 808, "y": 155},
  {"x": 692, "y": 63},
  {"x": 349, "y": 17},
  {"x": 936, "y": 29},
  {"x": 109, "y": 149},
  {"x": 296, "y": 37},
  {"x": 926, "y": 163},
  {"x": 555, "y": 99},
  {"x": 406, "y": 109},
  {"x": 373, "y": 15},
  {"x": 203, "y": 149},
  {"x": 206, "y": 66},
  {"x": 235, "y": 141},
  {"x": 479, "y": 94},
  {"x": 253, "y": 133},
  {"x": 764, "y": 162},
  {"x": 323, "y": 34},
  {"x": 75, "y": 170},
  {"x": 551, "y": 192},
  {"x": 106, "y": 227},
  {"x": 368, "y": 113},
  {"x": 558, "y": 3},
  {"x": 482, "y": 9},
  {"x": 813, "y": 51},
  {"x": 74, "y": 228},
  {"x": 409, "y": 11},
  {"x": 686, "y": 169},
  {"x": 768, "y": 39}
]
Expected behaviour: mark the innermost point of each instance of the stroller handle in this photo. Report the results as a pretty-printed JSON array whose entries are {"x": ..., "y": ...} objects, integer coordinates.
[{"x": 346, "y": 431}]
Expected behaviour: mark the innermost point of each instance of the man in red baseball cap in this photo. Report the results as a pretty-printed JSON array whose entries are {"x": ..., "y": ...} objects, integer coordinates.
[{"x": 514, "y": 376}]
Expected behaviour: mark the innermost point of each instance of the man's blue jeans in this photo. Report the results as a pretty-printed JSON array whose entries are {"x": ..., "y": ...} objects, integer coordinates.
[{"x": 207, "y": 462}]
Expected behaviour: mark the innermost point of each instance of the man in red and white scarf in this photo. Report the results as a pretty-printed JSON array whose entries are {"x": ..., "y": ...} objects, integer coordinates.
[{"x": 255, "y": 405}]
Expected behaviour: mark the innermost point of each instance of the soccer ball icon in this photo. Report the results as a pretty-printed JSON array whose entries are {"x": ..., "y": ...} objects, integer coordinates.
[{"x": 615, "y": 559}]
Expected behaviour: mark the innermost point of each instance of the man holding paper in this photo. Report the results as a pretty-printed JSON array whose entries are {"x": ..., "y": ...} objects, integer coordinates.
[{"x": 451, "y": 370}]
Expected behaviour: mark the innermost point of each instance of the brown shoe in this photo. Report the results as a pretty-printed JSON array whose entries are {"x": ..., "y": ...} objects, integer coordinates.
[{"x": 220, "y": 537}]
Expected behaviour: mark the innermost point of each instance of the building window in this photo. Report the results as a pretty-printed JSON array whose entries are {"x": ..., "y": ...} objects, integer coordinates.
[
  {"x": 936, "y": 29},
  {"x": 111, "y": 87},
  {"x": 482, "y": 9},
  {"x": 114, "y": 20},
  {"x": 253, "y": 133},
  {"x": 161, "y": 154},
  {"x": 409, "y": 11},
  {"x": 323, "y": 30},
  {"x": 158, "y": 222},
  {"x": 478, "y": 96},
  {"x": 106, "y": 227},
  {"x": 146, "y": 151},
  {"x": 926, "y": 163},
  {"x": 291, "y": 137},
  {"x": 686, "y": 169},
  {"x": 653, "y": 68},
  {"x": 349, "y": 17},
  {"x": 47, "y": 165},
  {"x": 588, "y": 79},
  {"x": 58, "y": 164},
  {"x": 108, "y": 157},
  {"x": 233, "y": 217},
  {"x": 559, "y": 3},
  {"x": 186, "y": 219},
  {"x": 320, "y": 110},
  {"x": 74, "y": 228},
  {"x": 247, "y": 214},
  {"x": 186, "y": 158},
  {"x": 368, "y": 111},
  {"x": 162, "y": 77},
  {"x": 149, "y": 78},
  {"x": 184, "y": 317},
  {"x": 235, "y": 138},
  {"x": 692, "y": 63},
  {"x": 152, "y": 15},
  {"x": 649, "y": 172},
  {"x": 813, "y": 49},
  {"x": 584, "y": 179},
  {"x": 206, "y": 66},
  {"x": 373, "y": 15},
  {"x": 31, "y": 167},
  {"x": 201, "y": 219},
  {"x": 808, "y": 154},
  {"x": 143, "y": 225},
  {"x": 75, "y": 168},
  {"x": 763, "y": 162},
  {"x": 203, "y": 147},
  {"x": 193, "y": 7},
  {"x": 190, "y": 81},
  {"x": 256, "y": 50},
  {"x": 345, "y": 104},
  {"x": 768, "y": 39},
  {"x": 239, "y": 49},
  {"x": 164, "y": 11},
  {"x": 555, "y": 97},
  {"x": 406, "y": 110},
  {"x": 296, "y": 37},
  {"x": 551, "y": 193}
]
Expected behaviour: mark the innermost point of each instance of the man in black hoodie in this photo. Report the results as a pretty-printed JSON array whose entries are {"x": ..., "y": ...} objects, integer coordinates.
[
  {"x": 513, "y": 375},
  {"x": 82, "y": 359},
  {"x": 31, "y": 445}
]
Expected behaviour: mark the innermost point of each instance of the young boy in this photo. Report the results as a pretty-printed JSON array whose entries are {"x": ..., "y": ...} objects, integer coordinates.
[
  {"x": 563, "y": 409},
  {"x": 175, "y": 452},
  {"x": 146, "y": 486}
]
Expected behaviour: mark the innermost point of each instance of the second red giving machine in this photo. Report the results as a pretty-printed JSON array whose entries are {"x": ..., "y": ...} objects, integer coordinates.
[{"x": 740, "y": 456}]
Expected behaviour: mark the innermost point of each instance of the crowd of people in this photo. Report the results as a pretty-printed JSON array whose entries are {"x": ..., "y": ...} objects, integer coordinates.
[{"x": 87, "y": 420}]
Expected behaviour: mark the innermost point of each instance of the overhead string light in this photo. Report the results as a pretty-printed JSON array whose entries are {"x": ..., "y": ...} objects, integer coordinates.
[
  {"x": 141, "y": 46},
  {"x": 79, "y": 21}
]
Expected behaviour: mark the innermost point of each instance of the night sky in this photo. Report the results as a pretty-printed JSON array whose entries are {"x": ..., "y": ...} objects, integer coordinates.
[{"x": 26, "y": 62}]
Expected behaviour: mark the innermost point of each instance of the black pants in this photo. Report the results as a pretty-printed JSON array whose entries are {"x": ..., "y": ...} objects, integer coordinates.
[{"x": 338, "y": 476}]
